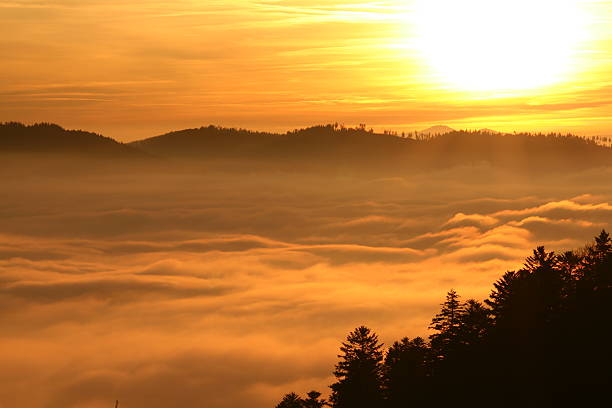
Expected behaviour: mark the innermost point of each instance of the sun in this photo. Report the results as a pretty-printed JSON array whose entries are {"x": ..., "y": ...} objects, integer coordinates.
[{"x": 499, "y": 45}]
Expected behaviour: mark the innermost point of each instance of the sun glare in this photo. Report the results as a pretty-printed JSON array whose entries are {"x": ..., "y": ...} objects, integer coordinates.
[{"x": 499, "y": 45}]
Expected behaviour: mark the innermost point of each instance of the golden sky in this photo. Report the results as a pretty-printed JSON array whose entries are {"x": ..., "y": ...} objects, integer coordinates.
[{"x": 143, "y": 67}]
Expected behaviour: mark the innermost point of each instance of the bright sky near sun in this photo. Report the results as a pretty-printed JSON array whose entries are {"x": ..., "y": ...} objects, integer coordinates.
[{"x": 138, "y": 68}]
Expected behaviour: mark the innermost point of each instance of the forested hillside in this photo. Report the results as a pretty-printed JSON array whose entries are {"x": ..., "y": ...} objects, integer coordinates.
[
  {"x": 333, "y": 146},
  {"x": 51, "y": 139},
  {"x": 329, "y": 148},
  {"x": 541, "y": 337}
]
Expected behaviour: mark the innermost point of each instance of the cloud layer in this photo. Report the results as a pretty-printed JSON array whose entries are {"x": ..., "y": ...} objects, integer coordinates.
[{"x": 229, "y": 290}]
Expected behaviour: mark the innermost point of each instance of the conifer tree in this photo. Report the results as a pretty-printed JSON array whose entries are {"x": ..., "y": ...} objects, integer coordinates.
[
  {"x": 359, "y": 371},
  {"x": 406, "y": 373},
  {"x": 474, "y": 323},
  {"x": 291, "y": 400},
  {"x": 501, "y": 296},
  {"x": 540, "y": 260},
  {"x": 603, "y": 244},
  {"x": 314, "y": 400},
  {"x": 447, "y": 323}
]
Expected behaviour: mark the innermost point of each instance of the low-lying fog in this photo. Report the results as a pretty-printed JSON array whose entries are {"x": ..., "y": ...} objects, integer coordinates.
[{"x": 195, "y": 289}]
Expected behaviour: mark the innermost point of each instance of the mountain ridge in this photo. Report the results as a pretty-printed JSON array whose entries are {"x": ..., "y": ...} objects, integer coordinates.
[
  {"x": 51, "y": 138},
  {"x": 321, "y": 147},
  {"x": 436, "y": 130}
]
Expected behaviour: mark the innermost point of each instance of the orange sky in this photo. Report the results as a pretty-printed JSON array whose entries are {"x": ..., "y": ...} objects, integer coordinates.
[{"x": 139, "y": 68}]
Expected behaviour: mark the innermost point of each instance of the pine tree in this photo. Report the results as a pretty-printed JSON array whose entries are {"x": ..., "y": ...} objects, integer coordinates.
[
  {"x": 447, "y": 323},
  {"x": 545, "y": 286},
  {"x": 406, "y": 373},
  {"x": 314, "y": 400},
  {"x": 291, "y": 400},
  {"x": 569, "y": 262},
  {"x": 359, "y": 371},
  {"x": 540, "y": 260},
  {"x": 474, "y": 323},
  {"x": 501, "y": 296},
  {"x": 603, "y": 243}
]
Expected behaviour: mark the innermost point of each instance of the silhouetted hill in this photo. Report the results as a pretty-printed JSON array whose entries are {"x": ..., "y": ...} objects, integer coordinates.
[
  {"x": 358, "y": 149},
  {"x": 322, "y": 148},
  {"x": 311, "y": 146},
  {"x": 515, "y": 151},
  {"x": 51, "y": 139}
]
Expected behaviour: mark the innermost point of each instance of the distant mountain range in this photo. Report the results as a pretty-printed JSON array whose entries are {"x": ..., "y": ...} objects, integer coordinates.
[
  {"x": 491, "y": 131},
  {"x": 442, "y": 130},
  {"x": 436, "y": 130},
  {"x": 319, "y": 147}
]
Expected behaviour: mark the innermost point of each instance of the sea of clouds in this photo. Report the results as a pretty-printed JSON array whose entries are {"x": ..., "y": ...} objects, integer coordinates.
[{"x": 168, "y": 289}]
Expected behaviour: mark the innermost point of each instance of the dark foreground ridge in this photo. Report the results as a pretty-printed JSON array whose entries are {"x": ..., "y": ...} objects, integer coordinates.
[
  {"x": 322, "y": 148},
  {"x": 541, "y": 338}
]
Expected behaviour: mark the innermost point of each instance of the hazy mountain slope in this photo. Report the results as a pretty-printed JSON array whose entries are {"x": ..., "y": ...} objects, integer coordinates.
[
  {"x": 520, "y": 151},
  {"x": 206, "y": 142},
  {"x": 52, "y": 139},
  {"x": 436, "y": 130},
  {"x": 358, "y": 149},
  {"x": 319, "y": 144},
  {"x": 322, "y": 148}
]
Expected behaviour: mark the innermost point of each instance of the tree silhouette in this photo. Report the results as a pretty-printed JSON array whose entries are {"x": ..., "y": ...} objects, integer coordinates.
[
  {"x": 603, "y": 244},
  {"x": 314, "y": 400},
  {"x": 447, "y": 323},
  {"x": 406, "y": 373},
  {"x": 501, "y": 296},
  {"x": 542, "y": 337},
  {"x": 474, "y": 323},
  {"x": 359, "y": 371},
  {"x": 540, "y": 260},
  {"x": 291, "y": 400}
]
